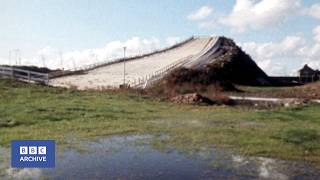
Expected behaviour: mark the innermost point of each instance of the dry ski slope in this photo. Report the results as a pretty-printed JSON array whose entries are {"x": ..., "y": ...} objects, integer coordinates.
[{"x": 112, "y": 75}]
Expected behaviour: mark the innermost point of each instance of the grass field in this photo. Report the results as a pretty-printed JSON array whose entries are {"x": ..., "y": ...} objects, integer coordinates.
[
  {"x": 38, "y": 112},
  {"x": 308, "y": 91}
]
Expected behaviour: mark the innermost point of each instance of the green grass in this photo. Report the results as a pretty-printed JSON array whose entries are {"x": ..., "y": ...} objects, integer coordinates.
[
  {"x": 39, "y": 112},
  {"x": 308, "y": 138}
]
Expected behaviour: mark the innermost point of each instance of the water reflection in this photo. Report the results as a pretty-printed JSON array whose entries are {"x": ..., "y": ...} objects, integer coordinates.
[{"x": 133, "y": 157}]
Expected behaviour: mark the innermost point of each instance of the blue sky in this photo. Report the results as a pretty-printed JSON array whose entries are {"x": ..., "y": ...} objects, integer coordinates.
[{"x": 76, "y": 26}]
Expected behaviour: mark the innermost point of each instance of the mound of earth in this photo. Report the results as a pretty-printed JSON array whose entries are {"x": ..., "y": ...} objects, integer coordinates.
[
  {"x": 193, "y": 98},
  {"x": 214, "y": 72},
  {"x": 236, "y": 66},
  {"x": 227, "y": 64},
  {"x": 198, "y": 99}
]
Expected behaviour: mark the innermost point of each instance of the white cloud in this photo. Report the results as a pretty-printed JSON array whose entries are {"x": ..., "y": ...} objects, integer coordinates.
[
  {"x": 311, "y": 54},
  {"x": 208, "y": 24},
  {"x": 200, "y": 14},
  {"x": 277, "y": 58},
  {"x": 291, "y": 43},
  {"x": 134, "y": 46},
  {"x": 172, "y": 40},
  {"x": 4, "y": 61},
  {"x": 287, "y": 56},
  {"x": 287, "y": 46},
  {"x": 252, "y": 14},
  {"x": 51, "y": 57},
  {"x": 316, "y": 32},
  {"x": 315, "y": 11}
]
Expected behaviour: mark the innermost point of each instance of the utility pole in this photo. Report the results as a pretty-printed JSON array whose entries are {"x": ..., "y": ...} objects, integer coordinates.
[
  {"x": 9, "y": 57},
  {"x": 124, "y": 65},
  {"x": 74, "y": 64},
  {"x": 43, "y": 59},
  {"x": 61, "y": 60},
  {"x": 20, "y": 63},
  {"x": 17, "y": 56}
]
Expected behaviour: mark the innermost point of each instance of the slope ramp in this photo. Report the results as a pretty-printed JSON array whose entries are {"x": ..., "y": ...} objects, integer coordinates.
[
  {"x": 111, "y": 76},
  {"x": 212, "y": 58}
]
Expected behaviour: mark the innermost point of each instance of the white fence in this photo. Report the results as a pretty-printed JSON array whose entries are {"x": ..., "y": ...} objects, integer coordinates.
[
  {"x": 140, "y": 82},
  {"x": 24, "y": 74},
  {"x": 113, "y": 61},
  {"x": 144, "y": 81}
]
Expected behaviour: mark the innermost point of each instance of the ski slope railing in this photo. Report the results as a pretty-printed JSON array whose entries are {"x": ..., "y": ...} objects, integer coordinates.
[
  {"x": 25, "y": 75},
  {"x": 152, "y": 78},
  {"x": 118, "y": 60},
  {"x": 144, "y": 81}
]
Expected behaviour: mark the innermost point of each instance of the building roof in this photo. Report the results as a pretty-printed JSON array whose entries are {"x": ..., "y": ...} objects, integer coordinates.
[{"x": 306, "y": 68}]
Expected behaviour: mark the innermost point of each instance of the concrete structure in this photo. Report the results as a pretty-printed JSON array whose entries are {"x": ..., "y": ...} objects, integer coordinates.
[{"x": 141, "y": 69}]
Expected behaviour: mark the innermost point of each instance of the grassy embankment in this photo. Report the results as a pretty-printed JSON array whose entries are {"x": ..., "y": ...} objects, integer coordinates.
[
  {"x": 309, "y": 91},
  {"x": 38, "y": 112}
]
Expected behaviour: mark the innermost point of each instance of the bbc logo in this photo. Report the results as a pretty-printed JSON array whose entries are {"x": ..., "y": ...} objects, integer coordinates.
[
  {"x": 33, "y": 154},
  {"x": 33, "y": 150}
]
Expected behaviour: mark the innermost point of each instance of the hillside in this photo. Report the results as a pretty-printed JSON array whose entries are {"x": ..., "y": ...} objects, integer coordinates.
[
  {"x": 225, "y": 63},
  {"x": 219, "y": 69}
]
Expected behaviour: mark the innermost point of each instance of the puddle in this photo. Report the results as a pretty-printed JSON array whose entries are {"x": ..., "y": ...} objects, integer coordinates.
[{"x": 133, "y": 157}]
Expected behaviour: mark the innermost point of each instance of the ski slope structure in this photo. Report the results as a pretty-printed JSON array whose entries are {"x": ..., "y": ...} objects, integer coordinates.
[{"x": 142, "y": 69}]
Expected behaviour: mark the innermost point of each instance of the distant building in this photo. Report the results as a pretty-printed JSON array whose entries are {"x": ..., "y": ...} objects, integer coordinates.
[{"x": 307, "y": 74}]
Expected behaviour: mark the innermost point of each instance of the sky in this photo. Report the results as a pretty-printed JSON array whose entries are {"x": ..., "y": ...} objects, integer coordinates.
[{"x": 280, "y": 35}]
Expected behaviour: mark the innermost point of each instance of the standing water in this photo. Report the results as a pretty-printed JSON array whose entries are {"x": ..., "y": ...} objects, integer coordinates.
[{"x": 134, "y": 157}]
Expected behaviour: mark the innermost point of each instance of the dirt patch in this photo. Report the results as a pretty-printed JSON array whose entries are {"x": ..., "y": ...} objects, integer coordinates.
[
  {"x": 193, "y": 98},
  {"x": 198, "y": 99}
]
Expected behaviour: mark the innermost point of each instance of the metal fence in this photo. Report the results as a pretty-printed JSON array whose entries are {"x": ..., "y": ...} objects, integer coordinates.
[
  {"x": 96, "y": 65},
  {"x": 147, "y": 80},
  {"x": 25, "y": 75},
  {"x": 117, "y": 60},
  {"x": 138, "y": 82}
]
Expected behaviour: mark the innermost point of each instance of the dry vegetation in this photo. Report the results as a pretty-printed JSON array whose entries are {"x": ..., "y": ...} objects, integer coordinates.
[
  {"x": 183, "y": 84},
  {"x": 309, "y": 91}
]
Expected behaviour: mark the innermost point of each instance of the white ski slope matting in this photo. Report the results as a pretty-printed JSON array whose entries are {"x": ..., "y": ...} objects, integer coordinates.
[{"x": 111, "y": 76}]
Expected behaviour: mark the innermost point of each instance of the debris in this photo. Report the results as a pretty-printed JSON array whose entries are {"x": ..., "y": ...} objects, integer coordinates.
[{"x": 193, "y": 98}]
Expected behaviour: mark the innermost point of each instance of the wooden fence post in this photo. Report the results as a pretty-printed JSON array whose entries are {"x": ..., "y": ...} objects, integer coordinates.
[
  {"x": 29, "y": 76},
  {"x": 12, "y": 73},
  {"x": 47, "y": 78}
]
